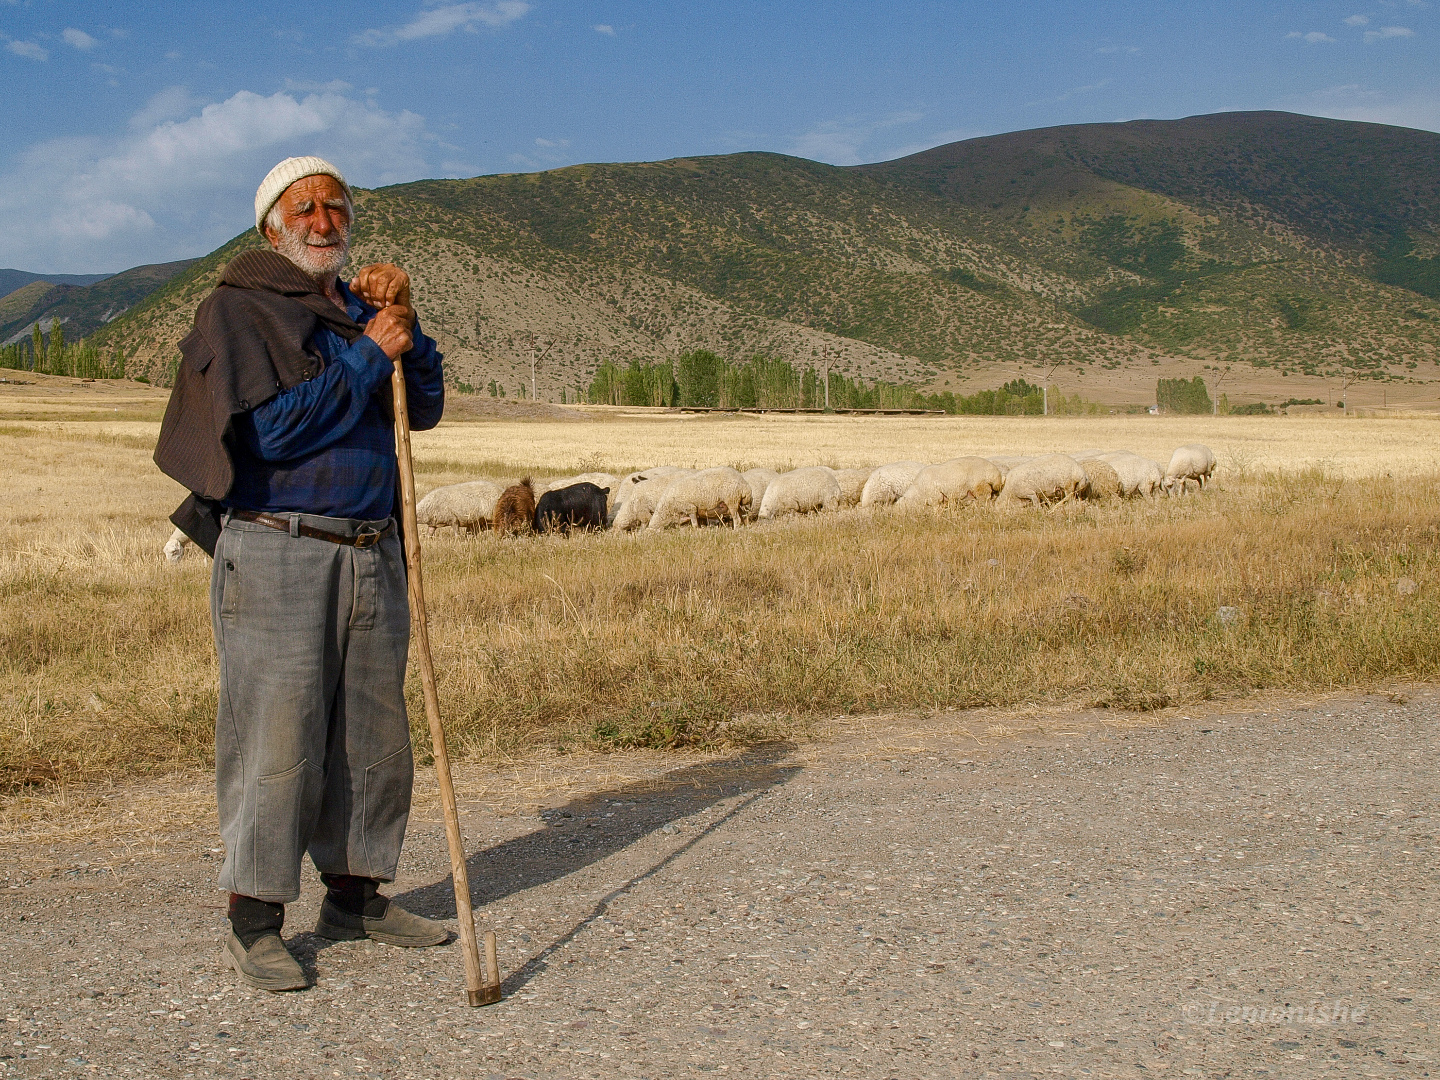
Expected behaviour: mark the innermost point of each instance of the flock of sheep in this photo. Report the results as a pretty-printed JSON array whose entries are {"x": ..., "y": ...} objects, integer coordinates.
[{"x": 666, "y": 496}]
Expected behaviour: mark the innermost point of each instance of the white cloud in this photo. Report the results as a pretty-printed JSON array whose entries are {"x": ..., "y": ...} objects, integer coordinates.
[
  {"x": 78, "y": 38},
  {"x": 858, "y": 139},
  {"x": 603, "y": 28},
  {"x": 182, "y": 181},
  {"x": 1357, "y": 20},
  {"x": 1314, "y": 37},
  {"x": 1389, "y": 32},
  {"x": 553, "y": 143},
  {"x": 444, "y": 19},
  {"x": 28, "y": 49},
  {"x": 839, "y": 142}
]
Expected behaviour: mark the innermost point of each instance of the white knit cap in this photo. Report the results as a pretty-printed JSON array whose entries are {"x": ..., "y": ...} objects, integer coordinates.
[{"x": 283, "y": 175}]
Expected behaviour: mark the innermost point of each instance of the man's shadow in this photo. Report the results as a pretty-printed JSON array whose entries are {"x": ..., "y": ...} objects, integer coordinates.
[{"x": 593, "y": 827}]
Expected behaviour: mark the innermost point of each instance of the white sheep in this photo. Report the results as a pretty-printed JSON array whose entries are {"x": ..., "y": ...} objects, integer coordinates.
[
  {"x": 1045, "y": 481},
  {"x": 469, "y": 506},
  {"x": 708, "y": 495},
  {"x": 625, "y": 487},
  {"x": 1193, "y": 462},
  {"x": 1104, "y": 480},
  {"x": 639, "y": 505},
  {"x": 1139, "y": 476},
  {"x": 1083, "y": 456},
  {"x": 759, "y": 480},
  {"x": 852, "y": 485},
  {"x": 888, "y": 482},
  {"x": 951, "y": 482},
  {"x": 802, "y": 491},
  {"x": 175, "y": 546},
  {"x": 1006, "y": 462}
]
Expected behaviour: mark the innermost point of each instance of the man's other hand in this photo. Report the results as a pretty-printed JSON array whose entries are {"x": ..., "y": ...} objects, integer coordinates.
[
  {"x": 390, "y": 329},
  {"x": 383, "y": 284}
]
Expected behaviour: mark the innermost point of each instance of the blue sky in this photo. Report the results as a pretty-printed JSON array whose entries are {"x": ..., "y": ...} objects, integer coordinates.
[{"x": 138, "y": 133}]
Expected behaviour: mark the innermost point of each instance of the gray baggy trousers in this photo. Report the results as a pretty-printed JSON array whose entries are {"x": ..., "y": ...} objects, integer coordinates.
[{"x": 312, "y": 744}]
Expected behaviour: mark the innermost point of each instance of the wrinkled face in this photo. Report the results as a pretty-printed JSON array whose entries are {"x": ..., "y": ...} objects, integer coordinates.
[{"x": 310, "y": 225}]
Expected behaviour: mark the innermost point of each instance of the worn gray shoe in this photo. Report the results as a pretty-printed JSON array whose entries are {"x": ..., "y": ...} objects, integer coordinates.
[
  {"x": 266, "y": 965},
  {"x": 396, "y": 927}
]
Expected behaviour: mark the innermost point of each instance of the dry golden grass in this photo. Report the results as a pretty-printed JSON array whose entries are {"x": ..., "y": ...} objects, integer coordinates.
[
  {"x": 622, "y": 439},
  {"x": 703, "y": 638}
]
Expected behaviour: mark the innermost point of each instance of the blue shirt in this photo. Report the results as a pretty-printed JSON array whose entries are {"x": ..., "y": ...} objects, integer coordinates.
[{"x": 324, "y": 447}]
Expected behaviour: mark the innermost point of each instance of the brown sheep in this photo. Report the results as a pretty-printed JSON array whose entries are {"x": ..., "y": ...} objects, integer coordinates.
[{"x": 515, "y": 509}]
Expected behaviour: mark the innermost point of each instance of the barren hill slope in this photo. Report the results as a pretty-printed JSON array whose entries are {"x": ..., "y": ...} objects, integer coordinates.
[{"x": 1286, "y": 242}]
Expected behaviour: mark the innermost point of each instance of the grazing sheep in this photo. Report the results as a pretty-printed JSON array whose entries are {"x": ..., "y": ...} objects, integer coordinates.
[
  {"x": 1139, "y": 476},
  {"x": 626, "y": 486},
  {"x": 1193, "y": 462},
  {"x": 1104, "y": 479},
  {"x": 852, "y": 485},
  {"x": 639, "y": 506},
  {"x": 709, "y": 495},
  {"x": 1083, "y": 456},
  {"x": 175, "y": 546},
  {"x": 599, "y": 479},
  {"x": 575, "y": 506},
  {"x": 952, "y": 482},
  {"x": 802, "y": 491},
  {"x": 888, "y": 483},
  {"x": 515, "y": 509},
  {"x": 1006, "y": 462},
  {"x": 759, "y": 480},
  {"x": 1045, "y": 481},
  {"x": 469, "y": 506}
]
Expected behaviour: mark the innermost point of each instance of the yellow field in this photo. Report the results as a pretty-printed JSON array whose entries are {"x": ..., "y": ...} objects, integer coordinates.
[
  {"x": 106, "y": 664},
  {"x": 622, "y": 439}
]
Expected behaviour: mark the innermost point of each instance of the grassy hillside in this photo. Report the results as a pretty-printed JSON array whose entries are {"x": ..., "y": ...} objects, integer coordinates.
[{"x": 1291, "y": 244}]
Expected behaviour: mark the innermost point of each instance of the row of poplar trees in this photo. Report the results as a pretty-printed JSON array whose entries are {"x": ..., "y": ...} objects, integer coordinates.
[{"x": 50, "y": 355}]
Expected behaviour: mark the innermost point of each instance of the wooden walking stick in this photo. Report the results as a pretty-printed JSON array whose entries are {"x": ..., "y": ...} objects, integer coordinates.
[{"x": 482, "y": 984}]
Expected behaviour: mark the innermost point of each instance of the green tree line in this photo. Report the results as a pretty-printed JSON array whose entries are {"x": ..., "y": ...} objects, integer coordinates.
[
  {"x": 701, "y": 379},
  {"x": 51, "y": 355},
  {"x": 1184, "y": 396}
]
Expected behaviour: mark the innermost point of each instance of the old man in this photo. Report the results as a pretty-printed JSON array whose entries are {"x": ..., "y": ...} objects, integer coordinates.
[{"x": 280, "y": 424}]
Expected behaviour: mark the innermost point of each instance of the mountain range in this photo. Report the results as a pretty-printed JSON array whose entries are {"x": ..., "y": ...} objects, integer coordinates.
[
  {"x": 1269, "y": 242},
  {"x": 80, "y": 303}
]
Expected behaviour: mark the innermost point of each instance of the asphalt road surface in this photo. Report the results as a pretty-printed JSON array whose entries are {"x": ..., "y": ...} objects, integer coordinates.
[{"x": 1248, "y": 892}]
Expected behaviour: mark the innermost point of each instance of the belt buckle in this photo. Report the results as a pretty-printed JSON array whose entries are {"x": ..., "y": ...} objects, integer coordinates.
[{"x": 366, "y": 540}]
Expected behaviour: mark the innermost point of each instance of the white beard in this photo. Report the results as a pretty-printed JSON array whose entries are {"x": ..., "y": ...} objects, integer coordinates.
[{"x": 320, "y": 262}]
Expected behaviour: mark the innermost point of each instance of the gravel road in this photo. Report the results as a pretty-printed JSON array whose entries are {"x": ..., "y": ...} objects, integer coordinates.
[{"x": 1251, "y": 891}]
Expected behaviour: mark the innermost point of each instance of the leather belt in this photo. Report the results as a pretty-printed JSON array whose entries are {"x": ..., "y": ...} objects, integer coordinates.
[{"x": 271, "y": 521}]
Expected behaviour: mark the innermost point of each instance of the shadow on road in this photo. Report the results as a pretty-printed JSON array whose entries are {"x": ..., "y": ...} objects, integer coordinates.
[{"x": 580, "y": 833}]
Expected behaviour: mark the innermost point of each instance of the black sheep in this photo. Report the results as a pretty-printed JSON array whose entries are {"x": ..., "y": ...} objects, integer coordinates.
[{"x": 579, "y": 506}]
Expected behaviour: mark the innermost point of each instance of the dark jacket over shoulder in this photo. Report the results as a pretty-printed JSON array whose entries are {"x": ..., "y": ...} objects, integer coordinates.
[{"x": 248, "y": 344}]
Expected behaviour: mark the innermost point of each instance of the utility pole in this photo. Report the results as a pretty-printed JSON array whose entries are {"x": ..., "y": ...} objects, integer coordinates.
[
  {"x": 1045, "y": 389},
  {"x": 535, "y": 357},
  {"x": 1215, "y": 394},
  {"x": 1347, "y": 377},
  {"x": 825, "y": 363}
]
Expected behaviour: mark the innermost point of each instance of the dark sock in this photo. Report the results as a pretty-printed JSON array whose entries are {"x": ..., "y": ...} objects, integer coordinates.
[
  {"x": 252, "y": 919},
  {"x": 358, "y": 896}
]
